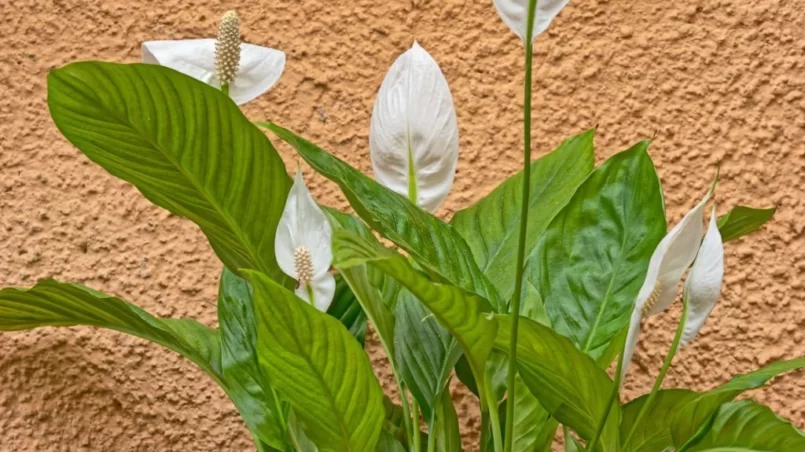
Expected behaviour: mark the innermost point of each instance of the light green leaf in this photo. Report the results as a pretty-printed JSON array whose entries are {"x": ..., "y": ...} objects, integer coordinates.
[
  {"x": 741, "y": 221},
  {"x": 184, "y": 145},
  {"x": 653, "y": 433},
  {"x": 51, "y": 303},
  {"x": 248, "y": 386},
  {"x": 693, "y": 415},
  {"x": 590, "y": 263},
  {"x": 571, "y": 443},
  {"x": 318, "y": 367},
  {"x": 434, "y": 244},
  {"x": 534, "y": 428},
  {"x": 491, "y": 225},
  {"x": 425, "y": 352},
  {"x": 745, "y": 426},
  {"x": 550, "y": 366},
  {"x": 461, "y": 313}
]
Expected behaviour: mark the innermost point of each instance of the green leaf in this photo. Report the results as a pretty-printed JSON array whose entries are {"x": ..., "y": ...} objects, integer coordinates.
[
  {"x": 461, "y": 313},
  {"x": 317, "y": 366},
  {"x": 741, "y": 221},
  {"x": 51, "y": 303},
  {"x": 347, "y": 309},
  {"x": 435, "y": 245},
  {"x": 590, "y": 262},
  {"x": 491, "y": 225},
  {"x": 653, "y": 433},
  {"x": 745, "y": 426},
  {"x": 690, "y": 418},
  {"x": 248, "y": 386},
  {"x": 571, "y": 443},
  {"x": 551, "y": 366},
  {"x": 184, "y": 145},
  {"x": 425, "y": 352},
  {"x": 534, "y": 428}
]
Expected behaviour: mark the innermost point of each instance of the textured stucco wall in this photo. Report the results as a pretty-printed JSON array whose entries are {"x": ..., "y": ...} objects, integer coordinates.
[{"x": 712, "y": 80}]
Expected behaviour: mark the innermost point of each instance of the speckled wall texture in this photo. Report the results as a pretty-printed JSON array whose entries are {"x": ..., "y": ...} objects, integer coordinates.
[{"x": 711, "y": 80}]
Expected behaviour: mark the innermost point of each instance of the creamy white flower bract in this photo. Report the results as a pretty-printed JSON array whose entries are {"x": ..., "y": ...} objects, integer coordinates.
[
  {"x": 260, "y": 67},
  {"x": 413, "y": 138},
  {"x": 303, "y": 246},
  {"x": 703, "y": 285},
  {"x": 668, "y": 263},
  {"x": 515, "y": 14}
]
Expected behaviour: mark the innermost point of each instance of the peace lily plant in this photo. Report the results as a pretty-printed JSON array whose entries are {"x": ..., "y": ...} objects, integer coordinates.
[{"x": 529, "y": 296}]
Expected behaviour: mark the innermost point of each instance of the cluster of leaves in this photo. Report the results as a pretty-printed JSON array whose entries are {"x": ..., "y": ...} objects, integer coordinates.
[{"x": 439, "y": 301}]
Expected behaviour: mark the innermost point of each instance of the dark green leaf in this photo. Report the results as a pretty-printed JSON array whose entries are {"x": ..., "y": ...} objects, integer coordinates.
[
  {"x": 461, "y": 313},
  {"x": 318, "y": 367},
  {"x": 534, "y": 428},
  {"x": 741, "y": 221},
  {"x": 591, "y": 260},
  {"x": 745, "y": 426},
  {"x": 248, "y": 386},
  {"x": 425, "y": 352},
  {"x": 653, "y": 433},
  {"x": 51, "y": 303},
  {"x": 445, "y": 427},
  {"x": 491, "y": 225},
  {"x": 552, "y": 367},
  {"x": 433, "y": 244},
  {"x": 347, "y": 309},
  {"x": 184, "y": 145},
  {"x": 571, "y": 443},
  {"x": 693, "y": 415}
]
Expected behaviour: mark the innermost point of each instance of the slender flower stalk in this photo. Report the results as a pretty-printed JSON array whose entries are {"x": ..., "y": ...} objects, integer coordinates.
[{"x": 518, "y": 278}]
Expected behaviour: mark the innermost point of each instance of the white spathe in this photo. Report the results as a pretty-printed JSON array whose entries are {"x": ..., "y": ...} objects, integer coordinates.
[
  {"x": 260, "y": 67},
  {"x": 303, "y": 246},
  {"x": 414, "y": 120},
  {"x": 703, "y": 285},
  {"x": 515, "y": 14},
  {"x": 668, "y": 263}
]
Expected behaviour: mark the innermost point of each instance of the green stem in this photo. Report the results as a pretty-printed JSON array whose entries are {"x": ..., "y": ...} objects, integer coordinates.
[
  {"x": 518, "y": 279},
  {"x": 225, "y": 89},
  {"x": 614, "y": 395},
  {"x": 406, "y": 413},
  {"x": 484, "y": 430},
  {"x": 494, "y": 418},
  {"x": 417, "y": 436},
  {"x": 665, "y": 367},
  {"x": 432, "y": 434}
]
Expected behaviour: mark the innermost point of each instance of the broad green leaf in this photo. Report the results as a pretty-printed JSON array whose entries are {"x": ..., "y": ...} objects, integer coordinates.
[
  {"x": 184, "y": 145},
  {"x": 347, "y": 309},
  {"x": 51, "y": 303},
  {"x": 745, "y": 426},
  {"x": 249, "y": 388},
  {"x": 551, "y": 366},
  {"x": 461, "y": 313},
  {"x": 590, "y": 263},
  {"x": 534, "y": 428},
  {"x": 741, "y": 221},
  {"x": 435, "y": 245},
  {"x": 653, "y": 433},
  {"x": 690, "y": 418},
  {"x": 491, "y": 226},
  {"x": 317, "y": 366},
  {"x": 425, "y": 352}
]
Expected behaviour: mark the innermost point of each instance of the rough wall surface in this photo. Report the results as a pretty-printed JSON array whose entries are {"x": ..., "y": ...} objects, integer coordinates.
[{"x": 712, "y": 80}]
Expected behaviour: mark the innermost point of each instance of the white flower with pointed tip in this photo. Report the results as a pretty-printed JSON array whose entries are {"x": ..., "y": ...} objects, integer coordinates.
[
  {"x": 254, "y": 71},
  {"x": 303, "y": 246},
  {"x": 413, "y": 140},
  {"x": 668, "y": 263},
  {"x": 515, "y": 14},
  {"x": 703, "y": 285}
]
